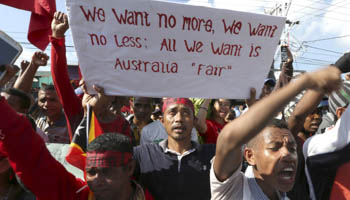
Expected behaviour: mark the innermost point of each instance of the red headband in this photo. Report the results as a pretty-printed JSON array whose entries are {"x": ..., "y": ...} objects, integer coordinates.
[
  {"x": 170, "y": 101},
  {"x": 107, "y": 159}
]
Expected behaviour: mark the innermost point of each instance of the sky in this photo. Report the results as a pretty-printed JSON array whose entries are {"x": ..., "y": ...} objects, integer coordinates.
[{"x": 319, "y": 36}]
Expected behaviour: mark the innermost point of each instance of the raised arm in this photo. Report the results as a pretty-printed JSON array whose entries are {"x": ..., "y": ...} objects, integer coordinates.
[
  {"x": 200, "y": 124},
  {"x": 31, "y": 161},
  {"x": 24, "y": 66},
  {"x": 100, "y": 103},
  {"x": 69, "y": 100},
  {"x": 286, "y": 71},
  {"x": 305, "y": 106},
  {"x": 311, "y": 99},
  {"x": 332, "y": 140},
  {"x": 25, "y": 81},
  {"x": 228, "y": 155}
]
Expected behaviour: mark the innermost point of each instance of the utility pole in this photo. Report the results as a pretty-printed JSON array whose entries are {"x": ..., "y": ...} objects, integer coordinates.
[
  {"x": 274, "y": 11},
  {"x": 281, "y": 10}
]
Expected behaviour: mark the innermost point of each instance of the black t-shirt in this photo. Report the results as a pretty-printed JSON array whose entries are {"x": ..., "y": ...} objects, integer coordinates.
[{"x": 168, "y": 177}]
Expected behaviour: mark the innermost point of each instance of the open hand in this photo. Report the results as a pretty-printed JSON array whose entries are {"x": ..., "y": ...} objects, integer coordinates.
[
  {"x": 59, "y": 24},
  {"x": 100, "y": 100}
]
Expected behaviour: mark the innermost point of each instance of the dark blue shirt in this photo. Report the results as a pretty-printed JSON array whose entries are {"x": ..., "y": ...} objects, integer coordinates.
[{"x": 168, "y": 175}]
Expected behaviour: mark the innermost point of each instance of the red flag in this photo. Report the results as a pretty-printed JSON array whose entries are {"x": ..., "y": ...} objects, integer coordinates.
[
  {"x": 88, "y": 130},
  {"x": 40, "y": 20}
]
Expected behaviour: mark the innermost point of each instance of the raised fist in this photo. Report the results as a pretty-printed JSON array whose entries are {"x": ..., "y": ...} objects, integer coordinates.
[
  {"x": 325, "y": 80},
  {"x": 24, "y": 65},
  {"x": 40, "y": 59}
]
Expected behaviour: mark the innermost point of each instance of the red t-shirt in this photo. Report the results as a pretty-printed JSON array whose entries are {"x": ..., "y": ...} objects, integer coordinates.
[
  {"x": 212, "y": 133},
  {"x": 118, "y": 125},
  {"x": 341, "y": 186}
]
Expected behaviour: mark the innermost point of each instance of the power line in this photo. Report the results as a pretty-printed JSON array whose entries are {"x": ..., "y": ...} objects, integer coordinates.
[
  {"x": 321, "y": 54},
  {"x": 324, "y": 3},
  {"x": 332, "y": 18},
  {"x": 317, "y": 9},
  {"x": 306, "y": 63},
  {"x": 311, "y": 63},
  {"x": 328, "y": 17},
  {"x": 330, "y": 38},
  {"x": 27, "y": 43},
  {"x": 34, "y": 48},
  {"x": 323, "y": 49},
  {"x": 304, "y": 7},
  {"x": 25, "y": 33},
  {"x": 320, "y": 16},
  {"x": 322, "y": 9},
  {"x": 317, "y": 60},
  {"x": 16, "y": 32},
  {"x": 313, "y": 10}
]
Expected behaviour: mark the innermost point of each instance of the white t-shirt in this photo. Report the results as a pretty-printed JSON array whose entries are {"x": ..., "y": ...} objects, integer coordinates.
[
  {"x": 238, "y": 186},
  {"x": 333, "y": 139},
  {"x": 155, "y": 132}
]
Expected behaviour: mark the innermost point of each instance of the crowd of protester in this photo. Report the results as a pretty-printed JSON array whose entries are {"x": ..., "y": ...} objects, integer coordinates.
[{"x": 270, "y": 147}]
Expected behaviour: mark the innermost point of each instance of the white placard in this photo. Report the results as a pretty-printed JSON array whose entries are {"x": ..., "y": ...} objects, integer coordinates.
[{"x": 157, "y": 49}]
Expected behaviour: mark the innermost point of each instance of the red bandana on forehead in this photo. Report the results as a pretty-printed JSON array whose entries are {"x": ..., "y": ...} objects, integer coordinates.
[
  {"x": 107, "y": 159},
  {"x": 170, "y": 101}
]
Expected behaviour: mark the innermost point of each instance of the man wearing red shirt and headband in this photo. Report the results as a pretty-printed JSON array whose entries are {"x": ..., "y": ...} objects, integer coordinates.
[{"x": 109, "y": 164}]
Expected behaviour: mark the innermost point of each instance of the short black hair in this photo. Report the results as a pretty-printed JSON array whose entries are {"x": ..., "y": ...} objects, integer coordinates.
[
  {"x": 24, "y": 97},
  {"x": 277, "y": 123},
  {"x": 111, "y": 142},
  {"x": 49, "y": 87},
  {"x": 148, "y": 98},
  {"x": 274, "y": 123}
]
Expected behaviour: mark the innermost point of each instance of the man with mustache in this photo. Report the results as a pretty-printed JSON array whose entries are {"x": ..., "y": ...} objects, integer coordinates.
[
  {"x": 176, "y": 168},
  {"x": 271, "y": 149}
]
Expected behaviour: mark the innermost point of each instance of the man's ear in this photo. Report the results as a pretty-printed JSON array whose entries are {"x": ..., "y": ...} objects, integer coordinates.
[
  {"x": 131, "y": 167},
  {"x": 162, "y": 119},
  {"x": 339, "y": 112},
  {"x": 249, "y": 156}
]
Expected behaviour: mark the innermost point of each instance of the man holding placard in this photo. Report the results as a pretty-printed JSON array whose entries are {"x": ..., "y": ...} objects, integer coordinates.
[{"x": 172, "y": 49}]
